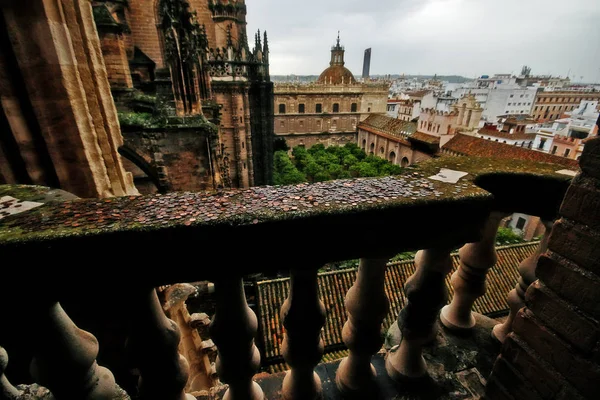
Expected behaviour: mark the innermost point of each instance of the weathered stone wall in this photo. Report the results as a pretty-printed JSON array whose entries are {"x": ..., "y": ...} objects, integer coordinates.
[
  {"x": 395, "y": 150},
  {"x": 554, "y": 351},
  {"x": 115, "y": 60},
  {"x": 234, "y": 130},
  {"x": 326, "y": 139},
  {"x": 142, "y": 20},
  {"x": 55, "y": 52},
  {"x": 175, "y": 159}
]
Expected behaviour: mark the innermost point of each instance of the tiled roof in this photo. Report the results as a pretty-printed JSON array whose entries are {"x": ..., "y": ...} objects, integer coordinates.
[
  {"x": 418, "y": 93},
  {"x": 333, "y": 287},
  {"x": 425, "y": 137},
  {"x": 507, "y": 135},
  {"x": 389, "y": 125},
  {"x": 473, "y": 146}
]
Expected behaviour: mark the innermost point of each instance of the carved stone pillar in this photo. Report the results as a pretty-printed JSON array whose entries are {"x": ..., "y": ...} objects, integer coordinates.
[
  {"x": 153, "y": 345},
  {"x": 426, "y": 293},
  {"x": 233, "y": 329},
  {"x": 7, "y": 391},
  {"x": 303, "y": 316},
  {"x": 367, "y": 306},
  {"x": 191, "y": 345},
  {"x": 469, "y": 279},
  {"x": 65, "y": 359},
  {"x": 516, "y": 297}
]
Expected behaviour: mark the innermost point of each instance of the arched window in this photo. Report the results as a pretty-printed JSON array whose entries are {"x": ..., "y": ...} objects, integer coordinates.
[
  {"x": 336, "y": 107},
  {"x": 353, "y": 107},
  {"x": 364, "y": 144},
  {"x": 381, "y": 150},
  {"x": 404, "y": 162},
  {"x": 282, "y": 109},
  {"x": 392, "y": 157},
  {"x": 372, "y": 149}
]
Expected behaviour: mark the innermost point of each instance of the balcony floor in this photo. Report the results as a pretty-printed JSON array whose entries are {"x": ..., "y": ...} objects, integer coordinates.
[{"x": 457, "y": 365}]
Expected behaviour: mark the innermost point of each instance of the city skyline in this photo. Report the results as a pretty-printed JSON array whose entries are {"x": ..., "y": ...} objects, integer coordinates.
[{"x": 448, "y": 37}]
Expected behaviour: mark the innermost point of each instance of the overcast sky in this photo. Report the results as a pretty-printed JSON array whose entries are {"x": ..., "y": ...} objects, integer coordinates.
[{"x": 463, "y": 37}]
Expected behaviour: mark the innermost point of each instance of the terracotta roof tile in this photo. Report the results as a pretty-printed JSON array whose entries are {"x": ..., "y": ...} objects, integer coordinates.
[
  {"x": 506, "y": 135},
  {"x": 425, "y": 137},
  {"x": 473, "y": 146},
  {"x": 333, "y": 287},
  {"x": 389, "y": 125}
]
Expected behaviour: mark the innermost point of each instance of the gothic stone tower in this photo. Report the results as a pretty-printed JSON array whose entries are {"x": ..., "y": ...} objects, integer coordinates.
[
  {"x": 194, "y": 55},
  {"x": 241, "y": 84}
]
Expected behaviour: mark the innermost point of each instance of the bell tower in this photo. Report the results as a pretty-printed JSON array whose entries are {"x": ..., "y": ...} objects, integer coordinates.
[{"x": 337, "y": 53}]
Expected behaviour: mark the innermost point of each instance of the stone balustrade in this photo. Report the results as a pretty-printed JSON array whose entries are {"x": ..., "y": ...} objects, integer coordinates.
[{"x": 143, "y": 242}]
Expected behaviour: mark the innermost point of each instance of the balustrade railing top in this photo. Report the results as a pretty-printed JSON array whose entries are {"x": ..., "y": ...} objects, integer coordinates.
[{"x": 386, "y": 215}]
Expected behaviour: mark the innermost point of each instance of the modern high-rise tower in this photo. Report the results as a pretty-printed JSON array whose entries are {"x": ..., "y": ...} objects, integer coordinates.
[{"x": 367, "y": 64}]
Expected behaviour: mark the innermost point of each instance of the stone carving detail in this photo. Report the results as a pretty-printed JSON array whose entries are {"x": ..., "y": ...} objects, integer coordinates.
[{"x": 185, "y": 44}]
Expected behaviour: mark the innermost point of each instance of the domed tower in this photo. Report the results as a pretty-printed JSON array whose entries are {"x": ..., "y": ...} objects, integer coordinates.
[{"x": 337, "y": 74}]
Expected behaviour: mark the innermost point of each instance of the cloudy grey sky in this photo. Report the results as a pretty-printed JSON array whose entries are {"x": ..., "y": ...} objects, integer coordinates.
[{"x": 464, "y": 37}]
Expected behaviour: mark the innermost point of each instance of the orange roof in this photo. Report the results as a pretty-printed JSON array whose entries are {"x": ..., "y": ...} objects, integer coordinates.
[
  {"x": 336, "y": 75},
  {"x": 382, "y": 123},
  {"x": 474, "y": 146},
  {"x": 507, "y": 135},
  {"x": 425, "y": 137},
  {"x": 333, "y": 287}
]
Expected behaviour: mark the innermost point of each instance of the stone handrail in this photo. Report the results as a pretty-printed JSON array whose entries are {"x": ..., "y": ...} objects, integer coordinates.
[{"x": 137, "y": 243}]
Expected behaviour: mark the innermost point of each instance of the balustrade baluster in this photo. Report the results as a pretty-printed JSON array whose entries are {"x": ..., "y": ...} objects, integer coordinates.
[
  {"x": 7, "y": 390},
  {"x": 233, "y": 329},
  {"x": 367, "y": 306},
  {"x": 516, "y": 297},
  {"x": 65, "y": 359},
  {"x": 303, "y": 316},
  {"x": 426, "y": 293},
  {"x": 153, "y": 343},
  {"x": 468, "y": 281}
]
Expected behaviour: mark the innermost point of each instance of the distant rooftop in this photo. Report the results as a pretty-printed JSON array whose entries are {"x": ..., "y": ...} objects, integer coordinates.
[{"x": 474, "y": 146}]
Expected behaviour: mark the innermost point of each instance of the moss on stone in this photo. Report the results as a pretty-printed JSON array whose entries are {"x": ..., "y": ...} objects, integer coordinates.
[{"x": 351, "y": 197}]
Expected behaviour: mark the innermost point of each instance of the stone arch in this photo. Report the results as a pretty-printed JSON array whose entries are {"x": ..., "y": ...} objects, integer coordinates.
[
  {"x": 392, "y": 157},
  {"x": 372, "y": 148},
  {"x": 404, "y": 162},
  {"x": 364, "y": 144},
  {"x": 145, "y": 165}
]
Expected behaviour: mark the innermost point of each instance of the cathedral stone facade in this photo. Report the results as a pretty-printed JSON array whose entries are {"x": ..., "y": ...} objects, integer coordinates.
[
  {"x": 191, "y": 63},
  {"x": 329, "y": 110}
]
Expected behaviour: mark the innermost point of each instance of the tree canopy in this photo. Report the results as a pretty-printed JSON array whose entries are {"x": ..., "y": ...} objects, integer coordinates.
[{"x": 318, "y": 164}]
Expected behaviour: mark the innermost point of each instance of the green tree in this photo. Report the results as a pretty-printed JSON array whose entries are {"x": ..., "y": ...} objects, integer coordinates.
[
  {"x": 507, "y": 236},
  {"x": 285, "y": 172},
  {"x": 363, "y": 169}
]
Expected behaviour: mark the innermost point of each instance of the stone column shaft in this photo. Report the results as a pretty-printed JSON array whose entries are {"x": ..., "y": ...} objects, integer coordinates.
[
  {"x": 303, "y": 316},
  {"x": 153, "y": 344},
  {"x": 426, "y": 293},
  {"x": 233, "y": 329},
  {"x": 367, "y": 306},
  {"x": 469, "y": 279},
  {"x": 516, "y": 297}
]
